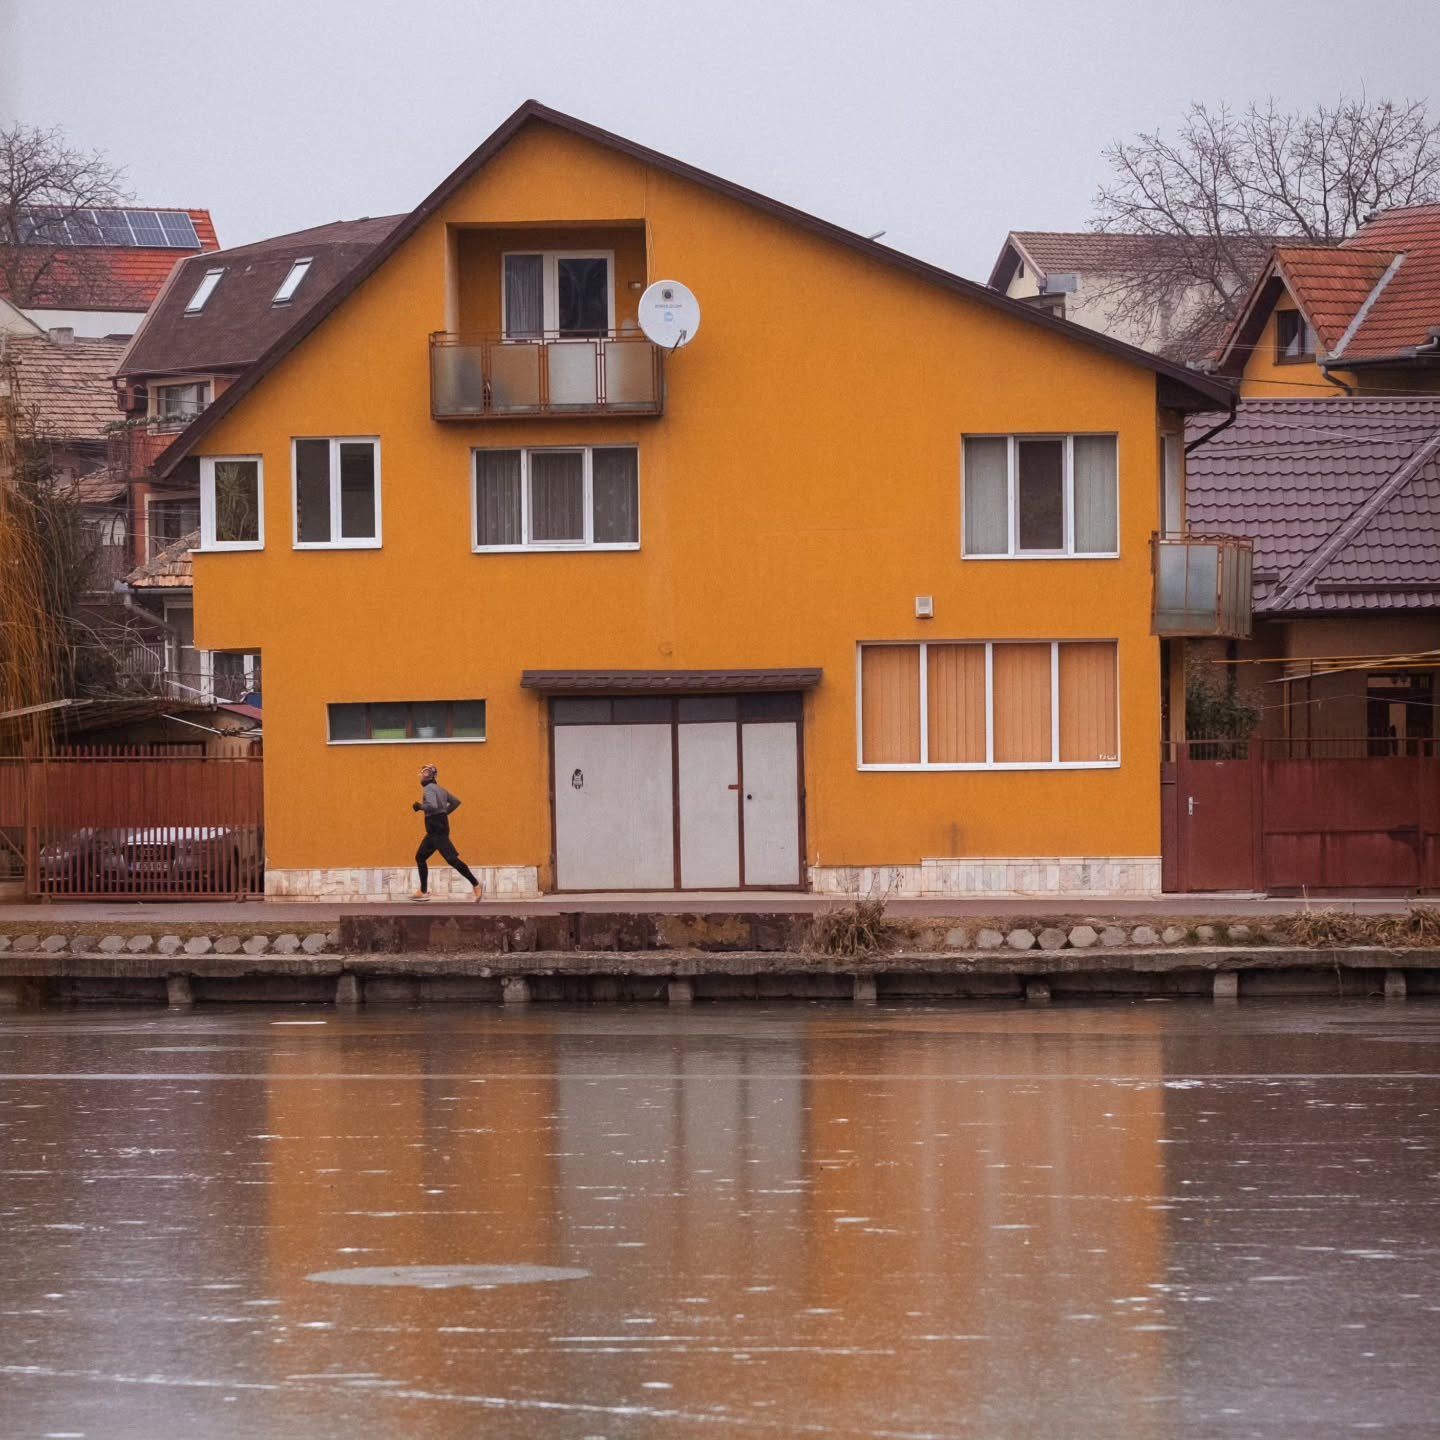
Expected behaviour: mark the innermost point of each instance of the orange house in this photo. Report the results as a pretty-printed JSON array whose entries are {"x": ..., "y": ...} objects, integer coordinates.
[{"x": 850, "y": 589}]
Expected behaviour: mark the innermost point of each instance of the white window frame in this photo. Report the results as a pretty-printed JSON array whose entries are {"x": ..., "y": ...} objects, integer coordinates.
[
  {"x": 184, "y": 417},
  {"x": 208, "y": 542},
  {"x": 989, "y": 763},
  {"x": 528, "y": 546},
  {"x": 1012, "y": 475},
  {"x": 204, "y": 290},
  {"x": 293, "y": 280},
  {"x": 550, "y": 294},
  {"x": 336, "y": 541}
]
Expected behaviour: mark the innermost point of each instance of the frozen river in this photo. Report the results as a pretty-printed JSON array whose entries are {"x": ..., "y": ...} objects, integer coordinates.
[{"x": 1154, "y": 1220}]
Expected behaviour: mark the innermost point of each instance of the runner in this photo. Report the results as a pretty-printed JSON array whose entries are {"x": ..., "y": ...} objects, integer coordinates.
[{"x": 438, "y": 804}]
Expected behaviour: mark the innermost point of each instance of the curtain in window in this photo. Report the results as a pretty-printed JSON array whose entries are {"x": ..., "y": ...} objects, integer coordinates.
[
  {"x": 557, "y": 496},
  {"x": 890, "y": 704},
  {"x": 1087, "y": 702},
  {"x": 357, "y": 491},
  {"x": 615, "y": 492},
  {"x": 497, "y": 497},
  {"x": 1022, "y": 704},
  {"x": 987, "y": 505},
  {"x": 956, "y": 704},
  {"x": 312, "y": 490},
  {"x": 524, "y": 296},
  {"x": 237, "y": 501},
  {"x": 1040, "y": 494},
  {"x": 1096, "y": 529}
]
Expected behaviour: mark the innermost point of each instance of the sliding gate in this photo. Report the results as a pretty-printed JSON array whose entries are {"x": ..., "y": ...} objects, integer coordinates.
[
  {"x": 1284, "y": 816},
  {"x": 135, "y": 823}
]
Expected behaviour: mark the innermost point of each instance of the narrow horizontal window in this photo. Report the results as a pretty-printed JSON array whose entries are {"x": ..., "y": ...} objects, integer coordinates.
[
  {"x": 232, "y": 503},
  {"x": 420, "y": 721},
  {"x": 978, "y": 705},
  {"x": 1040, "y": 496},
  {"x": 580, "y": 499},
  {"x": 203, "y": 291},
  {"x": 291, "y": 283},
  {"x": 337, "y": 493}
]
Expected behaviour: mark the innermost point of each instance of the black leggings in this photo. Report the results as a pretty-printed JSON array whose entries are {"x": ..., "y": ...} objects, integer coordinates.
[{"x": 446, "y": 846}]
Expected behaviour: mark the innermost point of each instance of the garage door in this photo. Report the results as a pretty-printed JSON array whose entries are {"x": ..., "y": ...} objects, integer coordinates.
[{"x": 701, "y": 792}]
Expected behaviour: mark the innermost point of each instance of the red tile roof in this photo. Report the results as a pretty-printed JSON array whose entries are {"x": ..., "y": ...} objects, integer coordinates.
[
  {"x": 170, "y": 569},
  {"x": 65, "y": 390},
  {"x": 1330, "y": 285},
  {"x": 115, "y": 277},
  {"x": 1341, "y": 497},
  {"x": 1404, "y": 311}
]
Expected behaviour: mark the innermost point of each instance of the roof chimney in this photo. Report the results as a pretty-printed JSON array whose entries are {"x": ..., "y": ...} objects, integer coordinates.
[{"x": 63, "y": 334}]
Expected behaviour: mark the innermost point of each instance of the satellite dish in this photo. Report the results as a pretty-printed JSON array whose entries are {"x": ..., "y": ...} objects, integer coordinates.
[{"x": 669, "y": 314}]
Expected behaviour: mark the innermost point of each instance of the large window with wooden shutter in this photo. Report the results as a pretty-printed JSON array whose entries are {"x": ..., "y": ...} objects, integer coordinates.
[{"x": 989, "y": 705}]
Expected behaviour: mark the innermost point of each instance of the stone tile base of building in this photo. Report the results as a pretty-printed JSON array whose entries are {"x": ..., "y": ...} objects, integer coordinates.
[
  {"x": 1102, "y": 876},
  {"x": 377, "y": 883}
]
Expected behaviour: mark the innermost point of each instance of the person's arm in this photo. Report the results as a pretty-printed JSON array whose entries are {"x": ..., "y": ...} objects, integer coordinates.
[{"x": 452, "y": 803}]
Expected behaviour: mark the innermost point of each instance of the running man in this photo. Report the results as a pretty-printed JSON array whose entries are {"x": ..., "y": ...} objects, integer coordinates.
[{"x": 438, "y": 805}]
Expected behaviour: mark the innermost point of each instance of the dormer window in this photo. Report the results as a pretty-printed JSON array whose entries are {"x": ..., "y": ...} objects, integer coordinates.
[
  {"x": 203, "y": 291},
  {"x": 1294, "y": 337},
  {"x": 291, "y": 282}
]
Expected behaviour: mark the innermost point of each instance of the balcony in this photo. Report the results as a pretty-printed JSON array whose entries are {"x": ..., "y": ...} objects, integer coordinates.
[
  {"x": 1202, "y": 585},
  {"x": 133, "y": 447},
  {"x": 490, "y": 378}
]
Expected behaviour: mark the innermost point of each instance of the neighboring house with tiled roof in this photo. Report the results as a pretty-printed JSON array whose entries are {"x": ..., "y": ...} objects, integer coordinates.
[
  {"x": 1077, "y": 274},
  {"x": 97, "y": 271},
  {"x": 1359, "y": 317},
  {"x": 1341, "y": 497}
]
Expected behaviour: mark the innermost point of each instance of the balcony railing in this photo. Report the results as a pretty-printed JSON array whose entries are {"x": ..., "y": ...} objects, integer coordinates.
[
  {"x": 1202, "y": 585},
  {"x": 491, "y": 378}
]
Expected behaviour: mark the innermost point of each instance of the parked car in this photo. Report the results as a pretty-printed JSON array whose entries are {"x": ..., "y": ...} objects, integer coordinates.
[{"x": 85, "y": 861}]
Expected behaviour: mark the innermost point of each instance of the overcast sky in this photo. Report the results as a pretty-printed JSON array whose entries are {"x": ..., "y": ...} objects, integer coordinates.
[{"x": 945, "y": 124}]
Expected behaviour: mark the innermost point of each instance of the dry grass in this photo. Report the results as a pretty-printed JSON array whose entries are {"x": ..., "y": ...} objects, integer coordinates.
[
  {"x": 1417, "y": 926},
  {"x": 856, "y": 929}
]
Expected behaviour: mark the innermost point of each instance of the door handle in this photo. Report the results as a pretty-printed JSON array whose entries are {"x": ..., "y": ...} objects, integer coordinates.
[
  {"x": 1189, "y": 804},
  {"x": 732, "y": 787}
]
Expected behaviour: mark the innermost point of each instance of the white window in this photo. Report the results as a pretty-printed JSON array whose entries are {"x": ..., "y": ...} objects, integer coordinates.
[
  {"x": 989, "y": 705},
  {"x": 337, "y": 493},
  {"x": 232, "y": 502},
  {"x": 580, "y": 499},
  {"x": 181, "y": 403},
  {"x": 291, "y": 283},
  {"x": 1040, "y": 496},
  {"x": 203, "y": 291},
  {"x": 558, "y": 294}
]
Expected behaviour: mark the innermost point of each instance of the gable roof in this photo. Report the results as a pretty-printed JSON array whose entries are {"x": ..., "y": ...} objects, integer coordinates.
[
  {"x": 1341, "y": 497},
  {"x": 1404, "y": 313},
  {"x": 114, "y": 277},
  {"x": 1181, "y": 388},
  {"x": 240, "y": 320},
  {"x": 1103, "y": 252},
  {"x": 64, "y": 388}
]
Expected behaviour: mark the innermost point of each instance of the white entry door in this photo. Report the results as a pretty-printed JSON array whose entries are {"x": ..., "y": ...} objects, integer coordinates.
[
  {"x": 614, "y": 807},
  {"x": 709, "y": 806},
  {"x": 769, "y": 751}
]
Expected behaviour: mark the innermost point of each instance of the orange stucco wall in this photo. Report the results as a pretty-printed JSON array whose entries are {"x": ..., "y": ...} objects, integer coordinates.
[
  {"x": 1265, "y": 378},
  {"x": 801, "y": 489}
]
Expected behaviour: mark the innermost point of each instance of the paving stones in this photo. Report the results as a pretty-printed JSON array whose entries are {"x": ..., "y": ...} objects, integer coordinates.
[
  {"x": 1052, "y": 939},
  {"x": 313, "y": 944},
  {"x": 1143, "y": 935},
  {"x": 27, "y": 942},
  {"x": 227, "y": 945},
  {"x": 256, "y": 945},
  {"x": 286, "y": 944},
  {"x": 111, "y": 945},
  {"x": 169, "y": 944},
  {"x": 1082, "y": 937},
  {"x": 957, "y": 939},
  {"x": 1173, "y": 934},
  {"x": 1020, "y": 939},
  {"x": 82, "y": 944},
  {"x": 138, "y": 944},
  {"x": 1241, "y": 933},
  {"x": 53, "y": 944},
  {"x": 1112, "y": 937},
  {"x": 1205, "y": 934},
  {"x": 989, "y": 939},
  {"x": 4, "y": 942},
  {"x": 199, "y": 945}
]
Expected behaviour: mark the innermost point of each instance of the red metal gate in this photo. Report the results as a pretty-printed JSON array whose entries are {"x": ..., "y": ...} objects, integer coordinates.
[
  {"x": 1257, "y": 815},
  {"x": 131, "y": 822}
]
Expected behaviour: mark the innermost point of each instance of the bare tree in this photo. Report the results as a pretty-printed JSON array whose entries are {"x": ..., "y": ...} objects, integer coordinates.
[
  {"x": 45, "y": 184},
  {"x": 1213, "y": 199}
]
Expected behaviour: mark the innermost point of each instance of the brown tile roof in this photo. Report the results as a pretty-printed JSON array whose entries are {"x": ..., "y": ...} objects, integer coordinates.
[
  {"x": 116, "y": 277},
  {"x": 1404, "y": 311},
  {"x": 65, "y": 389},
  {"x": 1342, "y": 499},
  {"x": 1082, "y": 252},
  {"x": 99, "y": 487},
  {"x": 240, "y": 321},
  {"x": 170, "y": 569}
]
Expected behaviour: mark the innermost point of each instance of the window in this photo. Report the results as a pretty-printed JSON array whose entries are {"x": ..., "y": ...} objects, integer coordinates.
[
  {"x": 986, "y": 705},
  {"x": 401, "y": 720},
  {"x": 232, "y": 495},
  {"x": 1040, "y": 495},
  {"x": 203, "y": 291},
  {"x": 1294, "y": 338},
  {"x": 1172, "y": 494},
  {"x": 291, "y": 283},
  {"x": 337, "y": 493},
  {"x": 558, "y": 294},
  {"x": 557, "y": 499},
  {"x": 169, "y": 521},
  {"x": 181, "y": 403}
]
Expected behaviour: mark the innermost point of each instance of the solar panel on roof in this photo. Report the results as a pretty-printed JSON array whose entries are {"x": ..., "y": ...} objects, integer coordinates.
[
  {"x": 146, "y": 227},
  {"x": 83, "y": 229},
  {"x": 114, "y": 227},
  {"x": 179, "y": 229}
]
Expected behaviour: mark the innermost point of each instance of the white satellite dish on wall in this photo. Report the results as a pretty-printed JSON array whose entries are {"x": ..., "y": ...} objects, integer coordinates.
[{"x": 669, "y": 314}]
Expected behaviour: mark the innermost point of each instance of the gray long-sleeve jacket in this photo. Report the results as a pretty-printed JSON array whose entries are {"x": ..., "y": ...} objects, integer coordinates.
[{"x": 438, "y": 804}]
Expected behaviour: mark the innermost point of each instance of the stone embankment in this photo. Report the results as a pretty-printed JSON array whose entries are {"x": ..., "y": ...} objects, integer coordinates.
[{"x": 589, "y": 956}]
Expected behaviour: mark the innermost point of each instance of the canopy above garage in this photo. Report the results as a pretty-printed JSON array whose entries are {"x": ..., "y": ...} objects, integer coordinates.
[{"x": 645, "y": 682}]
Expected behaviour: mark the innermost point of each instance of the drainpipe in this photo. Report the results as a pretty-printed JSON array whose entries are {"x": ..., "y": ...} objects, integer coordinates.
[
  {"x": 1210, "y": 434},
  {"x": 126, "y": 597},
  {"x": 1325, "y": 371}
]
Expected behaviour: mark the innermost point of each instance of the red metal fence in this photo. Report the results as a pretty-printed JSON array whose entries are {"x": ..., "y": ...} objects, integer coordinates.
[
  {"x": 1284, "y": 818},
  {"x": 135, "y": 822}
]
